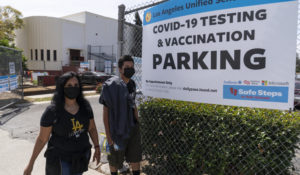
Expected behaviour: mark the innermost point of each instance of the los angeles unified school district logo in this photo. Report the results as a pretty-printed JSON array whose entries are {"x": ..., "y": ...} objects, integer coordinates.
[{"x": 148, "y": 16}]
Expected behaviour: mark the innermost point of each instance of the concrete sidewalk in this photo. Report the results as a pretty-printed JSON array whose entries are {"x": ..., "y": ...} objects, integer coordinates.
[{"x": 15, "y": 154}]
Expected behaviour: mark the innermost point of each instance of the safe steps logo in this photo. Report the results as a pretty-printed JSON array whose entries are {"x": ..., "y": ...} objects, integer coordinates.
[
  {"x": 148, "y": 17},
  {"x": 233, "y": 91},
  {"x": 256, "y": 93}
]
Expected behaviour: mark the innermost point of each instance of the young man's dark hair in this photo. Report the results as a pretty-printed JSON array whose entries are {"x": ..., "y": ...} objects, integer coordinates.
[{"x": 123, "y": 59}]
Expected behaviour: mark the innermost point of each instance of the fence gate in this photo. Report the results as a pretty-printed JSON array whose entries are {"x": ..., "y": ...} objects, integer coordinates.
[{"x": 11, "y": 79}]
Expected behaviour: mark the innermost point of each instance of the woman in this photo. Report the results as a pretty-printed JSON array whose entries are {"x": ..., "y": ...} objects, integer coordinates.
[{"x": 69, "y": 120}]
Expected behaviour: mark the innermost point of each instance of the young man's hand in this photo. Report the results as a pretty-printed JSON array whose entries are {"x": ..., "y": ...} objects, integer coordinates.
[
  {"x": 97, "y": 155},
  {"x": 110, "y": 142}
]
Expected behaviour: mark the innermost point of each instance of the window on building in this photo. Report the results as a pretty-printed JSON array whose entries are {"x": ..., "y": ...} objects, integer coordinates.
[
  {"x": 48, "y": 55},
  {"x": 36, "y": 54},
  {"x": 42, "y": 54},
  {"x": 54, "y": 55},
  {"x": 31, "y": 54}
]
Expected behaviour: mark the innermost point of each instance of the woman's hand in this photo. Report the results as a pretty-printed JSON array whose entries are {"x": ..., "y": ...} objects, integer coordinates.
[
  {"x": 28, "y": 170},
  {"x": 40, "y": 142},
  {"x": 97, "y": 155}
]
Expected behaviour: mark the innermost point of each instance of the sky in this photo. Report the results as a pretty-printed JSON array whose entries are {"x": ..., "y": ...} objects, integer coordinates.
[{"x": 59, "y": 8}]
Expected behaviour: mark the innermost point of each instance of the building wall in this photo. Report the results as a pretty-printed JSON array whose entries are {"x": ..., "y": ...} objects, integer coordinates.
[
  {"x": 101, "y": 31},
  {"x": 41, "y": 33},
  {"x": 78, "y": 17},
  {"x": 62, "y": 34},
  {"x": 21, "y": 40},
  {"x": 73, "y": 38}
]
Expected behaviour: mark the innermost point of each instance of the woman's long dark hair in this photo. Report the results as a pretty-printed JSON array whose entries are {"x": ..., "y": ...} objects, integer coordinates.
[{"x": 58, "y": 99}]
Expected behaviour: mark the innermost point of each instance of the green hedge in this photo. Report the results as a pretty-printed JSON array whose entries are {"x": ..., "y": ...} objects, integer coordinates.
[
  {"x": 185, "y": 138},
  {"x": 98, "y": 88}
]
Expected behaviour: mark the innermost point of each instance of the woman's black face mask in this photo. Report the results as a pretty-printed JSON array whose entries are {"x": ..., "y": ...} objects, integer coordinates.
[{"x": 71, "y": 92}]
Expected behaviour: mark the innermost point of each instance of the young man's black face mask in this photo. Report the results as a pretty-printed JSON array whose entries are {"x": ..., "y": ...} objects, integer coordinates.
[
  {"x": 71, "y": 92},
  {"x": 129, "y": 72}
]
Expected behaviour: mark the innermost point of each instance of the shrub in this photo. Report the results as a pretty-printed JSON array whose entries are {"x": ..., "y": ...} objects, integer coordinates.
[
  {"x": 99, "y": 88},
  {"x": 185, "y": 138},
  {"x": 35, "y": 82}
]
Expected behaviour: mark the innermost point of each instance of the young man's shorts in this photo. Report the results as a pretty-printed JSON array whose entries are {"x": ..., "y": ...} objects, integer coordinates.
[{"x": 132, "y": 152}]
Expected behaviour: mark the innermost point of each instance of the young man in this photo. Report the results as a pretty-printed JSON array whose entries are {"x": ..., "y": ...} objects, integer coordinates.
[{"x": 120, "y": 118}]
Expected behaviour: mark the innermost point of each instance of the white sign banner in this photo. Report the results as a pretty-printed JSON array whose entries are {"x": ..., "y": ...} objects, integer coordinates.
[
  {"x": 36, "y": 74},
  {"x": 13, "y": 82},
  {"x": 12, "y": 68},
  {"x": 92, "y": 65},
  {"x": 4, "y": 83},
  {"x": 84, "y": 65},
  {"x": 239, "y": 53},
  {"x": 107, "y": 66}
]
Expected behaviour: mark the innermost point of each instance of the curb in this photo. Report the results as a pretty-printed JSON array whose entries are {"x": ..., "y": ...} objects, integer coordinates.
[{"x": 51, "y": 90}]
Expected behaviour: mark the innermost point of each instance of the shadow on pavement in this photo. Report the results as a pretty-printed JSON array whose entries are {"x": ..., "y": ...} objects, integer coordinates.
[{"x": 18, "y": 106}]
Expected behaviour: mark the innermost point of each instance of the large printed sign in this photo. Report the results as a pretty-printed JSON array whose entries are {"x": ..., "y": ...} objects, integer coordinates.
[
  {"x": 230, "y": 52},
  {"x": 8, "y": 83}
]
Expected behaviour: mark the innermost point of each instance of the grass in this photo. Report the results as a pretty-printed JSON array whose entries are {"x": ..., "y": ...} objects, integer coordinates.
[
  {"x": 50, "y": 98},
  {"x": 38, "y": 99}
]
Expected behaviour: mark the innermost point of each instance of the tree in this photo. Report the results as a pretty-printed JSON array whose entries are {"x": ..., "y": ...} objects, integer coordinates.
[
  {"x": 10, "y": 20},
  {"x": 24, "y": 63},
  {"x": 137, "y": 20}
]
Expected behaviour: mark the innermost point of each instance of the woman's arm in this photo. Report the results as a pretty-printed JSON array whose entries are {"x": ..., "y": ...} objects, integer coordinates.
[
  {"x": 93, "y": 132},
  {"x": 41, "y": 140},
  {"x": 94, "y": 136}
]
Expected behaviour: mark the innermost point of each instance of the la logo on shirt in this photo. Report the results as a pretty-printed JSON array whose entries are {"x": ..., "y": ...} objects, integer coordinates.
[{"x": 77, "y": 128}]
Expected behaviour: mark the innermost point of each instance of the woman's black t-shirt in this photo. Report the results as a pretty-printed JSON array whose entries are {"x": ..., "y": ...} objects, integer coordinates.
[{"x": 69, "y": 132}]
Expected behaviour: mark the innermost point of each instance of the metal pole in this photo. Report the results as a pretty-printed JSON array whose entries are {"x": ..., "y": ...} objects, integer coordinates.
[
  {"x": 112, "y": 52},
  {"x": 21, "y": 71},
  {"x": 61, "y": 62},
  {"x": 121, "y": 20},
  {"x": 89, "y": 52},
  {"x": 112, "y": 59}
]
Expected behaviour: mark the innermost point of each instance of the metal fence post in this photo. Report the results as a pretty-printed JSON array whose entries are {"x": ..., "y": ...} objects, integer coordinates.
[
  {"x": 121, "y": 20},
  {"x": 89, "y": 52},
  {"x": 21, "y": 73}
]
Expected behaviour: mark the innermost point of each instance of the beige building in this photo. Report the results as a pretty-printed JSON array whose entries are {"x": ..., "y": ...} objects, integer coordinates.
[{"x": 51, "y": 43}]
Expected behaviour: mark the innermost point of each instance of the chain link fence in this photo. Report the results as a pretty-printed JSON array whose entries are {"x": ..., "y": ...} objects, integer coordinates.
[
  {"x": 130, "y": 34},
  {"x": 11, "y": 78},
  {"x": 130, "y": 43},
  {"x": 102, "y": 55}
]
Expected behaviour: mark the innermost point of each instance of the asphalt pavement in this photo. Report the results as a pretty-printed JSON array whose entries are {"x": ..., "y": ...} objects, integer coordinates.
[{"x": 26, "y": 124}]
